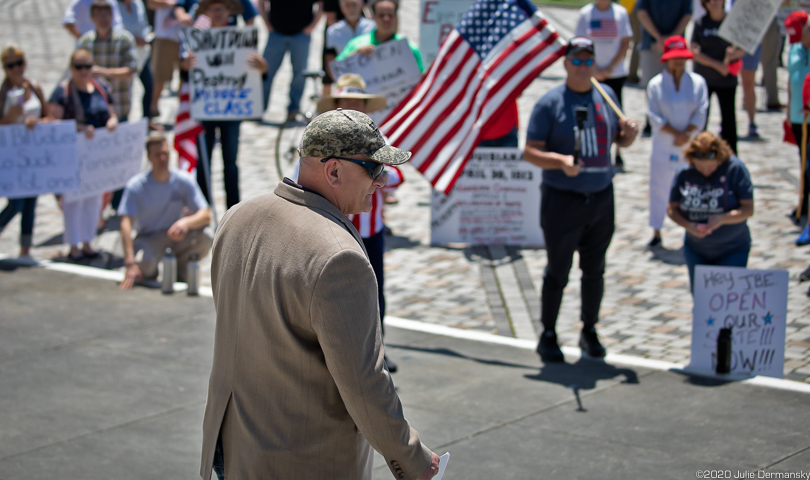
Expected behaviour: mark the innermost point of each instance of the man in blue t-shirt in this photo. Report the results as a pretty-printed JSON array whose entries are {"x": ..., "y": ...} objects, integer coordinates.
[
  {"x": 569, "y": 136},
  {"x": 168, "y": 210}
]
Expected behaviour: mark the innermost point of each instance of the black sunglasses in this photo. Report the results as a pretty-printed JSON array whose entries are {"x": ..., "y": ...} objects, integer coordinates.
[
  {"x": 710, "y": 155},
  {"x": 18, "y": 63},
  {"x": 373, "y": 169},
  {"x": 83, "y": 66}
]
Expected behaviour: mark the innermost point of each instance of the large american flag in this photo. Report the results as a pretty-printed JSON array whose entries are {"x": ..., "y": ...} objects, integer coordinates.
[{"x": 489, "y": 58}]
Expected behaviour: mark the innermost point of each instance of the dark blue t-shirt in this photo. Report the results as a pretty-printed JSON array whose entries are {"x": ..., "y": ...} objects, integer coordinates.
[
  {"x": 553, "y": 121},
  {"x": 95, "y": 105},
  {"x": 699, "y": 197},
  {"x": 665, "y": 15}
]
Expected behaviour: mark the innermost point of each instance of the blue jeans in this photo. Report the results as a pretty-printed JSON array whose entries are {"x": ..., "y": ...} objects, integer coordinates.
[
  {"x": 277, "y": 46},
  {"x": 148, "y": 85},
  {"x": 375, "y": 246},
  {"x": 733, "y": 258},
  {"x": 229, "y": 139},
  {"x": 27, "y": 206}
]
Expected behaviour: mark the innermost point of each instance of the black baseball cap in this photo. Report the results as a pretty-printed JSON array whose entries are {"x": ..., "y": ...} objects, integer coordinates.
[{"x": 579, "y": 44}]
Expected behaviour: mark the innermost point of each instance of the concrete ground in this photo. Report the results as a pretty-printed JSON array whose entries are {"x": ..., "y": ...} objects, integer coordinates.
[{"x": 101, "y": 384}]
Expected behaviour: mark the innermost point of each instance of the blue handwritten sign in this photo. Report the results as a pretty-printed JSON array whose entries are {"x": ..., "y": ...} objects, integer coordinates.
[
  {"x": 37, "y": 161},
  {"x": 223, "y": 86},
  {"x": 753, "y": 304}
]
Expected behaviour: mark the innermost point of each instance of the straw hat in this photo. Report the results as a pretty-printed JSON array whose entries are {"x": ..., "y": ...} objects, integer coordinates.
[{"x": 351, "y": 85}]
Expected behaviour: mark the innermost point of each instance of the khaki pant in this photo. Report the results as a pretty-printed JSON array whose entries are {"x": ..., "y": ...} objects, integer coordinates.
[{"x": 154, "y": 245}]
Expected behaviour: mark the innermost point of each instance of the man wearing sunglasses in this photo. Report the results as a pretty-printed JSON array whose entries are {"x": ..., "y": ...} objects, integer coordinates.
[
  {"x": 299, "y": 387},
  {"x": 569, "y": 136}
]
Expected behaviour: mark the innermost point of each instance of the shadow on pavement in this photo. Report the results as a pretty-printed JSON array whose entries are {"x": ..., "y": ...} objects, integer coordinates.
[
  {"x": 670, "y": 257},
  {"x": 452, "y": 353}
]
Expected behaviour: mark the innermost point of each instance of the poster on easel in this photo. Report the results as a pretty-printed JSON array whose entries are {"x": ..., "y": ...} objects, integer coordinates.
[{"x": 753, "y": 304}]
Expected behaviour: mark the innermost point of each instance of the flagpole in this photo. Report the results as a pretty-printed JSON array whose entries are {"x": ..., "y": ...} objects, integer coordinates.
[
  {"x": 608, "y": 99},
  {"x": 207, "y": 174}
]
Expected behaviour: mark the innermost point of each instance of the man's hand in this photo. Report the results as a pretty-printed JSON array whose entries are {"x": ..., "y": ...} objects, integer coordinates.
[
  {"x": 31, "y": 122},
  {"x": 98, "y": 72},
  {"x": 133, "y": 273},
  {"x": 177, "y": 232},
  {"x": 629, "y": 130},
  {"x": 366, "y": 50},
  {"x": 571, "y": 167},
  {"x": 183, "y": 18},
  {"x": 433, "y": 469}
]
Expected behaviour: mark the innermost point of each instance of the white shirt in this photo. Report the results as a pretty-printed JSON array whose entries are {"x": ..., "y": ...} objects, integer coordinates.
[
  {"x": 78, "y": 14},
  {"x": 339, "y": 34},
  {"x": 606, "y": 29}
]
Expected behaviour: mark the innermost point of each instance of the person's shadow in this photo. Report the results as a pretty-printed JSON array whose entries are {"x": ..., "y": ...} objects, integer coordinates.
[{"x": 582, "y": 375}]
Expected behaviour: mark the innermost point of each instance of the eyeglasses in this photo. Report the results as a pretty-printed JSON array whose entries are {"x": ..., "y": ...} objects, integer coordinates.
[
  {"x": 373, "y": 169},
  {"x": 710, "y": 155},
  {"x": 83, "y": 66},
  {"x": 578, "y": 61},
  {"x": 18, "y": 63}
]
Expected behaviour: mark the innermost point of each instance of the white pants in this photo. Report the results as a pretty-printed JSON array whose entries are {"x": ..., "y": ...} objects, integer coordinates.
[
  {"x": 662, "y": 171},
  {"x": 81, "y": 220}
]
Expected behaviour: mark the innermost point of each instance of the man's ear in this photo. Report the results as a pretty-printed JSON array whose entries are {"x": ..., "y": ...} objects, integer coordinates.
[{"x": 332, "y": 173}]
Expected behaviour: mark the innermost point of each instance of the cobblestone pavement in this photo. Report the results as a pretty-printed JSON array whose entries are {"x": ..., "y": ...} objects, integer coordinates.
[{"x": 647, "y": 307}]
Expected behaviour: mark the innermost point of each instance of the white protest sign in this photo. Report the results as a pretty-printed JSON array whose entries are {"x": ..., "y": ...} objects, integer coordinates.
[
  {"x": 496, "y": 201},
  {"x": 746, "y": 23},
  {"x": 390, "y": 71},
  {"x": 223, "y": 86},
  {"x": 753, "y": 303},
  {"x": 437, "y": 20},
  {"x": 42, "y": 160},
  {"x": 110, "y": 159}
]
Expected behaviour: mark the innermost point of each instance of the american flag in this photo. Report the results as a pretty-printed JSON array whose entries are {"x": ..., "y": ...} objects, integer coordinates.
[
  {"x": 489, "y": 58},
  {"x": 603, "y": 28},
  {"x": 186, "y": 130}
]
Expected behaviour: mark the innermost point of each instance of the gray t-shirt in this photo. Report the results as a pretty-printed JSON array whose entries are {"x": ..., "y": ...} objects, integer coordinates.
[{"x": 155, "y": 206}]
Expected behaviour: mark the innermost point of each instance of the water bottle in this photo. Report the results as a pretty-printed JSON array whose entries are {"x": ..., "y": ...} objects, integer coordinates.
[
  {"x": 724, "y": 351},
  {"x": 169, "y": 271},
  {"x": 193, "y": 275}
]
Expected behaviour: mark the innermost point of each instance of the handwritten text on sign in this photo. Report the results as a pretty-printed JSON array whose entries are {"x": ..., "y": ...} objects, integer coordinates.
[
  {"x": 109, "y": 160},
  {"x": 753, "y": 303},
  {"x": 437, "y": 20},
  {"x": 390, "y": 71},
  {"x": 223, "y": 86},
  {"x": 38, "y": 161},
  {"x": 496, "y": 201},
  {"x": 745, "y": 24}
]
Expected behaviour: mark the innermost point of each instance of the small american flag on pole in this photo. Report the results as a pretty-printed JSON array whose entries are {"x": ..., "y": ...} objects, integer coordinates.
[
  {"x": 186, "y": 130},
  {"x": 489, "y": 58}
]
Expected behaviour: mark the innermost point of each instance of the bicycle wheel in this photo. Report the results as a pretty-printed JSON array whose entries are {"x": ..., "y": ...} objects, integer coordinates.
[{"x": 287, "y": 142}]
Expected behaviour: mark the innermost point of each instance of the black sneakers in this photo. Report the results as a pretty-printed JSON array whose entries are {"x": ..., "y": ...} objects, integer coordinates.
[
  {"x": 548, "y": 349},
  {"x": 589, "y": 343}
]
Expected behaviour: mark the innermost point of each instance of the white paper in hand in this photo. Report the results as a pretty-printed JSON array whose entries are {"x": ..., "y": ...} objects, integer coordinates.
[{"x": 442, "y": 465}]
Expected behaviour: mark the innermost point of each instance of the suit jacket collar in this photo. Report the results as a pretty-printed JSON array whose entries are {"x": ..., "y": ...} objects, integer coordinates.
[{"x": 294, "y": 193}]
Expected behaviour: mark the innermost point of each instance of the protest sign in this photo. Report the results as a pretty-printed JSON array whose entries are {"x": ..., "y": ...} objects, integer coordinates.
[
  {"x": 109, "y": 160},
  {"x": 390, "y": 71},
  {"x": 496, "y": 201},
  {"x": 437, "y": 20},
  {"x": 753, "y": 303},
  {"x": 42, "y": 160},
  {"x": 223, "y": 86},
  {"x": 745, "y": 25}
]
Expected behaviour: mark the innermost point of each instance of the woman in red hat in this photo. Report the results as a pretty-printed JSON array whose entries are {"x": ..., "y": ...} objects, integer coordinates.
[
  {"x": 677, "y": 101},
  {"x": 798, "y": 67}
]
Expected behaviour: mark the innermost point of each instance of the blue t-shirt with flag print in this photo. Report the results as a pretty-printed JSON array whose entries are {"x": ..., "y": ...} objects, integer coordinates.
[{"x": 553, "y": 121}]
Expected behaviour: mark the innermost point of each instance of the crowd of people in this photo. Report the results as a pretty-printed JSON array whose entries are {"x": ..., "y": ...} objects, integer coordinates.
[{"x": 329, "y": 214}]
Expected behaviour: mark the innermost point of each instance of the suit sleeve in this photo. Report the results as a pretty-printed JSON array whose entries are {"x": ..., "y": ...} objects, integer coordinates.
[{"x": 345, "y": 316}]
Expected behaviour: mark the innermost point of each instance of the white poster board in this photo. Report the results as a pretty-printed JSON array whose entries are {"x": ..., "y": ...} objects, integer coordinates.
[
  {"x": 38, "y": 161},
  {"x": 109, "y": 160},
  {"x": 746, "y": 23},
  {"x": 390, "y": 71},
  {"x": 437, "y": 19},
  {"x": 223, "y": 86},
  {"x": 496, "y": 201},
  {"x": 753, "y": 303}
]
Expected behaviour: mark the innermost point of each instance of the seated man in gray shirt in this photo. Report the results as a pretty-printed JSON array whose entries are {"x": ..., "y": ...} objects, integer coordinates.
[{"x": 168, "y": 210}]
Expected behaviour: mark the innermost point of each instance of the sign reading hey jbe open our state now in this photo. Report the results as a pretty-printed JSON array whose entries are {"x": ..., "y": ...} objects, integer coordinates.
[
  {"x": 223, "y": 86},
  {"x": 496, "y": 201},
  {"x": 753, "y": 303},
  {"x": 390, "y": 71}
]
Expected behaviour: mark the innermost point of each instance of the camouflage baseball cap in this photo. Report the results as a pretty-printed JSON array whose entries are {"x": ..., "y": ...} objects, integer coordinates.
[{"x": 342, "y": 133}]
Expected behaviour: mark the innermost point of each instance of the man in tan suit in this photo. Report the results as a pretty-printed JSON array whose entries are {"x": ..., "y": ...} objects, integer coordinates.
[{"x": 299, "y": 388}]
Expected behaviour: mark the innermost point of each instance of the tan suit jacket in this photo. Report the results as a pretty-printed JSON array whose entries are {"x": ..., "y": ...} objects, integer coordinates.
[{"x": 298, "y": 388}]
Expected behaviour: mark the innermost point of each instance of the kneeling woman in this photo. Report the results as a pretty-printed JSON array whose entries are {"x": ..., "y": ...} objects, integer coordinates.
[{"x": 712, "y": 199}]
